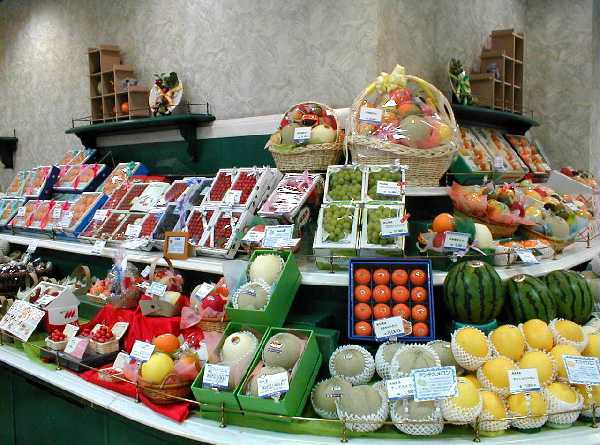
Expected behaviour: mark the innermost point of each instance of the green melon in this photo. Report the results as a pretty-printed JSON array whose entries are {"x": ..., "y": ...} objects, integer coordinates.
[
  {"x": 573, "y": 296},
  {"x": 529, "y": 298},
  {"x": 474, "y": 292}
]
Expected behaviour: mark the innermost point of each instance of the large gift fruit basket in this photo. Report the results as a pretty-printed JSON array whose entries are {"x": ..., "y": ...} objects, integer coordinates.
[
  {"x": 404, "y": 119},
  {"x": 308, "y": 138},
  {"x": 171, "y": 390}
]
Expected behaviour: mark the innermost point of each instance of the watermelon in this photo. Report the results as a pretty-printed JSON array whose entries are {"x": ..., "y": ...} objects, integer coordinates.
[
  {"x": 474, "y": 292},
  {"x": 572, "y": 294},
  {"x": 529, "y": 298}
]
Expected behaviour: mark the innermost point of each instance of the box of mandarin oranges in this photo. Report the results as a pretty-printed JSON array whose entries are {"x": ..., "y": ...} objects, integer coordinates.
[{"x": 391, "y": 300}]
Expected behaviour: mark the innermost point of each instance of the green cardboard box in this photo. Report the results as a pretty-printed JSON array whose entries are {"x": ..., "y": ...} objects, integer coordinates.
[
  {"x": 292, "y": 403},
  {"x": 284, "y": 291},
  {"x": 227, "y": 398}
]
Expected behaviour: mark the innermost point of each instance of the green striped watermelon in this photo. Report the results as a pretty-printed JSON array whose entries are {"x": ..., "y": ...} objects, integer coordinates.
[
  {"x": 572, "y": 294},
  {"x": 529, "y": 298},
  {"x": 474, "y": 292}
]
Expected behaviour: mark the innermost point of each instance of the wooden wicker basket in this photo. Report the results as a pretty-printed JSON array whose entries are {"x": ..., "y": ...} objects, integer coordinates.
[
  {"x": 498, "y": 230},
  {"x": 312, "y": 157},
  {"x": 166, "y": 393},
  {"x": 425, "y": 166},
  {"x": 157, "y": 307},
  {"x": 104, "y": 348},
  {"x": 556, "y": 244}
]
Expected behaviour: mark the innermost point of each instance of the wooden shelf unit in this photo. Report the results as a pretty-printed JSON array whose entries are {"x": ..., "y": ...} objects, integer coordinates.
[
  {"x": 506, "y": 58},
  {"x": 107, "y": 92}
]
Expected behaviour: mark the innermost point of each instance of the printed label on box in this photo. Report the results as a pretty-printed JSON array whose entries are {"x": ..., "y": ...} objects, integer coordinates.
[
  {"x": 389, "y": 188},
  {"x": 145, "y": 272},
  {"x": 276, "y": 235},
  {"x": 21, "y": 319},
  {"x": 302, "y": 134},
  {"x": 133, "y": 230},
  {"x": 119, "y": 329},
  {"x": 65, "y": 221},
  {"x": 215, "y": 376},
  {"x": 76, "y": 347},
  {"x": 100, "y": 215},
  {"x": 400, "y": 388},
  {"x": 21, "y": 212},
  {"x": 56, "y": 212},
  {"x": 157, "y": 288},
  {"x": 527, "y": 256},
  {"x": 254, "y": 236},
  {"x": 523, "y": 380},
  {"x": 176, "y": 245},
  {"x": 232, "y": 197},
  {"x": 142, "y": 351},
  {"x": 582, "y": 370},
  {"x": 203, "y": 290},
  {"x": 70, "y": 330},
  {"x": 456, "y": 241},
  {"x": 273, "y": 385},
  {"x": 389, "y": 327},
  {"x": 121, "y": 360},
  {"x": 499, "y": 163},
  {"x": 393, "y": 227},
  {"x": 434, "y": 383},
  {"x": 370, "y": 115}
]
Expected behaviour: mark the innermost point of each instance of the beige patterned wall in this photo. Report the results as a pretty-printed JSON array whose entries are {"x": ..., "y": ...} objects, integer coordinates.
[{"x": 258, "y": 57}]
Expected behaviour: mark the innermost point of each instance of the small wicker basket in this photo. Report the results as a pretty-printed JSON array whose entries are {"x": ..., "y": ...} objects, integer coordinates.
[
  {"x": 169, "y": 391},
  {"x": 104, "y": 348},
  {"x": 311, "y": 157},
  {"x": 425, "y": 166},
  {"x": 57, "y": 345}
]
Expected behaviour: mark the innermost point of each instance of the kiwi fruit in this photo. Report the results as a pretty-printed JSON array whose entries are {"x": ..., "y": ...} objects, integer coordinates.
[
  {"x": 352, "y": 363},
  {"x": 321, "y": 396},
  {"x": 267, "y": 370},
  {"x": 282, "y": 349}
]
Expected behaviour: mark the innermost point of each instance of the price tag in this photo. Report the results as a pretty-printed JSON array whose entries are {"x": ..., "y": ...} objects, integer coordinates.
[
  {"x": 176, "y": 245},
  {"x": 523, "y": 380},
  {"x": 582, "y": 370},
  {"x": 434, "y": 383},
  {"x": 370, "y": 115},
  {"x": 527, "y": 256},
  {"x": 202, "y": 352},
  {"x": 276, "y": 235},
  {"x": 215, "y": 376},
  {"x": 203, "y": 290},
  {"x": 32, "y": 246},
  {"x": 56, "y": 212},
  {"x": 45, "y": 300},
  {"x": 133, "y": 230},
  {"x": 232, "y": 197},
  {"x": 76, "y": 347},
  {"x": 98, "y": 247},
  {"x": 135, "y": 244},
  {"x": 499, "y": 163},
  {"x": 254, "y": 236},
  {"x": 142, "y": 351},
  {"x": 100, "y": 215},
  {"x": 388, "y": 327},
  {"x": 145, "y": 272},
  {"x": 121, "y": 360},
  {"x": 21, "y": 319},
  {"x": 302, "y": 134},
  {"x": 65, "y": 221},
  {"x": 456, "y": 241},
  {"x": 389, "y": 188},
  {"x": 70, "y": 330},
  {"x": 401, "y": 388},
  {"x": 21, "y": 212},
  {"x": 157, "y": 288},
  {"x": 273, "y": 385},
  {"x": 119, "y": 329},
  {"x": 393, "y": 227}
]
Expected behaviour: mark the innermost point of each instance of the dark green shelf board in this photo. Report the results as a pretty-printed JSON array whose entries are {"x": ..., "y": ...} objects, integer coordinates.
[
  {"x": 8, "y": 147},
  {"x": 484, "y": 117}
]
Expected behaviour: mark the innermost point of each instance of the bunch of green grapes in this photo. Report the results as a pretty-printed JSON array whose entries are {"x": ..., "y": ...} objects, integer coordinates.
[
  {"x": 383, "y": 175},
  {"x": 345, "y": 185},
  {"x": 374, "y": 225},
  {"x": 337, "y": 222}
]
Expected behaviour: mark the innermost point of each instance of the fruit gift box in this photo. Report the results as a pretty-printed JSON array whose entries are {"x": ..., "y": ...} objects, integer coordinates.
[
  {"x": 80, "y": 213},
  {"x": 40, "y": 182},
  {"x": 77, "y": 156},
  {"x": 134, "y": 191},
  {"x": 197, "y": 224},
  {"x": 237, "y": 349},
  {"x": 17, "y": 185},
  {"x": 124, "y": 230},
  {"x": 9, "y": 208},
  {"x": 384, "y": 288},
  {"x": 402, "y": 117},
  {"x": 344, "y": 183},
  {"x": 290, "y": 196},
  {"x": 59, "y": 303},
  {"x": 80, "y": 177},
  {"x": 292, "y": 354},
  {"x": 504, "y": 159},
  {"x": 336, "y": 239},
  {"x": 171, "y": 219},
  {"x": 56, "y": 215},
  {"x": 121, "y": 173},
  {"x": 531, "y": 153},
  {"x": 223, "y": 235},
  {"x": 384, "y": 183},
  {"x": 384, "y": 228},
  {"x": 41, "y": 215},
  {"x": 266, "y": 289},
  {"x": 308, "y": 138},
  {"x": 474, "y": 164},
  {"x": 149, "y": 197},
  {"x": 24, "y": 214}
]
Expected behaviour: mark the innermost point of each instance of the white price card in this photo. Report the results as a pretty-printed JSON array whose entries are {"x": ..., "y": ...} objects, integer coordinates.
[
  {"x": 389, "y": 188},
  {"x": 145, "y": 272},
  {"x": 157, "y": 288},
  {"x": 70, "y": 330},
  {"x": 456, "y": 241},
  {"x": 76, "y": 347},
  {"x": 527, "y": 256},
  {"x": 21, "y": 212},
  {"x": 65, "y": 221},
  {"x": 32, "y": 246},
  {"x": 254, "y": 236},
  {"x": 98, "y": 247},
  {"x": 100, "y": 215},
  {"x": 215, "y": 376},
  {"x": 400, "y": 388},
  {"x": 434, "y": 383},
  {"x": 121, "y": 361},
  {"x": 203, "y": 290},
  {"x": 232, "y": 197},
  {"x": 119, "y": 329},
  {"x": 386, "y": 328},
  {"x": 582, "y": 370},
  {"x": 499, "y": 163},
  {"x": 273, "y": 385},
  {"x": 276, "y": 235},
  {"x": 56, "y": 212},
  {"x": 371, "y": 115},
  {"x": 142, "y": 351},
  {"x": 21, "y": 319},
  {"x": 523, "y": 380},
  {"x": 302, "y": 134},
  {"x": 393, "y": 227},
  {"x": 176, "y": 245},
  {"x": 133, "y": 230}
]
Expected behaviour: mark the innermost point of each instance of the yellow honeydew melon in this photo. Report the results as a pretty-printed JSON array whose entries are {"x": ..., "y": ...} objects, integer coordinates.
[
  {"x": 557, "y": 353},
  {"x": 540, "y": 361},
  {"x": 563, "y": 392},
  {"x": 538, "y": 334},
  {"x": 473, "y": 341},
  {"x": 508, "y": 341},
  {"x": 593, "y": 347},
  {"x": 493, "y": 405},
  {"x": 538, "y": 405}
]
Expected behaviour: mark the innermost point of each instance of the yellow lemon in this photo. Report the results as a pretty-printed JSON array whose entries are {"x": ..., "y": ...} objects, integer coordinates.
[
  {"x": 593, "y": 347},
  {"x": 493, "y": 404},
  {"x": 473, "y": 341},
  {"x": 540, "y": 361},
  {"x": 557, "y": 352},
  {"x": 563, "y": 392},
  {"x": 538, "y": 405},
  {"x": 496, "y": 371},
  {"x": 508, "y": 341},
  {"x": 569, "y": 330},
  {"x": 538, "y": 334}
]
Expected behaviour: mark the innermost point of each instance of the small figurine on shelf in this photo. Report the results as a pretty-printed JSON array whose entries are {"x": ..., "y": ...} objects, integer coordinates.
[
  {"x": 460, "y": 83},
  {"x": 166, "y": 94}
]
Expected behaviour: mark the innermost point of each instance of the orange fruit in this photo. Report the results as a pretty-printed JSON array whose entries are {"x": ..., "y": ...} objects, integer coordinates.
[
  {"x": 125, "y": 107},
  {"x": 362, "y": 311},
  {"x": 362, "y": 293},
  {"x": 418, "y": 294},
  {"x": 400, "y": 294},
  {"x": 166, "y": 343},
  {"x": 363, "y": 328},
  {"x": 381, "y": 311},
  {"x": 400, "y": 277},
  {"x": 418, "y": 277},
  {"x": 442, "y": 223},
  {"x": 401, "y": 310},
  {"x": 419, "y": 312},
  {"x": 381, "y": 276},
  {"x": 382, "y": 293},
  {"x": 362, "y": 276},
  {"x": 420, "y": 330}
]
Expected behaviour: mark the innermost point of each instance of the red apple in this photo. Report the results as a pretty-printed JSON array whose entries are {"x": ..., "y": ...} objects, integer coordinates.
[{"x": 213, "y": 301}]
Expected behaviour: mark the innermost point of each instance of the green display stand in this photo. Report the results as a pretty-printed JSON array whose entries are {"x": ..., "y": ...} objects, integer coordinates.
[{"x": 486, "y": 328}]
